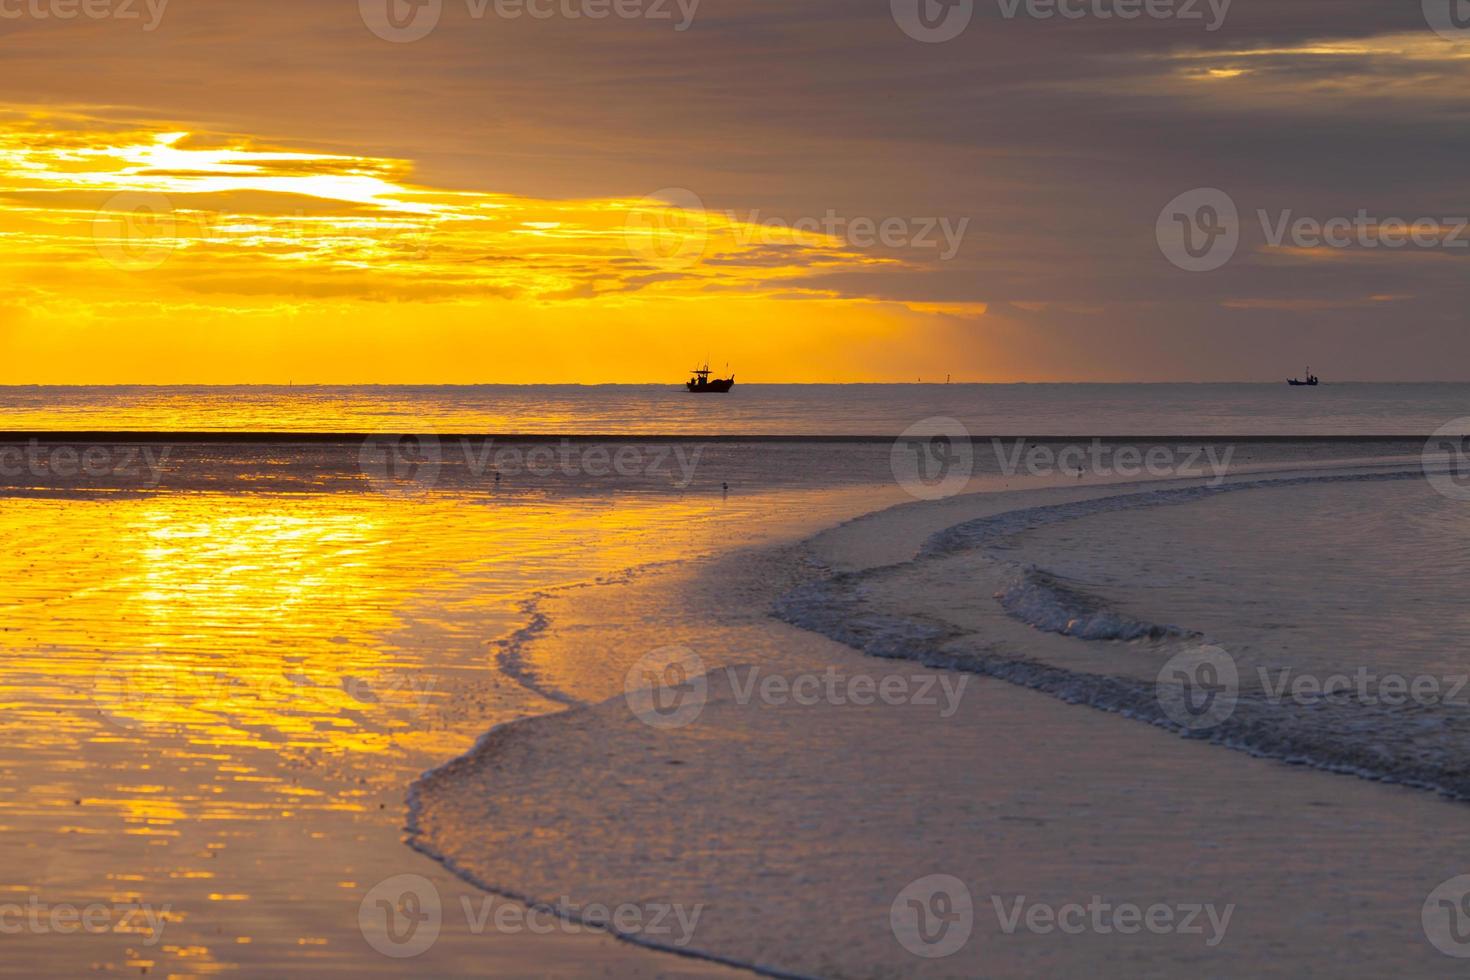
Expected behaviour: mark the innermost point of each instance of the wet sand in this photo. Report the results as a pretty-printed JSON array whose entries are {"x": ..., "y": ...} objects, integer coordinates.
[
  {"x": 214, "y": 704},
  {"x": 796, "y": 827},
  {"x": 215, "y": 701}
]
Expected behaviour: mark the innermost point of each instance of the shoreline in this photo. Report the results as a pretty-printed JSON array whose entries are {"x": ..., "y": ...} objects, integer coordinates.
[
  {"x": 531, "y": 757},
  {"x": 306, "y": 437},
  {"x": 746, "y": 770},
  {"x": 320, "y": 651}
]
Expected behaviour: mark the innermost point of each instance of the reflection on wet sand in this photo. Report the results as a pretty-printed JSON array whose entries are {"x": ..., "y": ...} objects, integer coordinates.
[{"x": 212, "y": 704}]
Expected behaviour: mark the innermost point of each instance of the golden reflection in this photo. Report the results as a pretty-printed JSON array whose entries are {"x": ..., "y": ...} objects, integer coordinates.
[
  {"x": 288, "y": 624},
  {"x": 241, "y": 621},
  {"x": 215, "y": 701}
]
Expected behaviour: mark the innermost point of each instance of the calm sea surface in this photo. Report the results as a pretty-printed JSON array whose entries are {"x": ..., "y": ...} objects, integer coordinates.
[{"x": 1031, "y": 409}]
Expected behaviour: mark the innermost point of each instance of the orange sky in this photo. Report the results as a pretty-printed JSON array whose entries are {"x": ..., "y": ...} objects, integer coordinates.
[
  {"x": 166, "y": 255},
  {"x": 218, "y": 192}
]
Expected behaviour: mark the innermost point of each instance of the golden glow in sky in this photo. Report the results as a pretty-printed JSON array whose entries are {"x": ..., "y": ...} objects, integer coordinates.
[{"x": 158, "y": 254}]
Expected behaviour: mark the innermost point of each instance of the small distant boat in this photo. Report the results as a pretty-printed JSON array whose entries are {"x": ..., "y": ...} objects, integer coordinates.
[
  {"x": 1311, "y": 381},
  {"x": 702, "y": 382}
]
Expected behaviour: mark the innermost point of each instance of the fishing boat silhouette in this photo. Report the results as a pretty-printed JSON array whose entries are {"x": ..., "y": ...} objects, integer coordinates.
[
  {"x": 1311, "y": 381},
  {"x": 702, "y": 382}
]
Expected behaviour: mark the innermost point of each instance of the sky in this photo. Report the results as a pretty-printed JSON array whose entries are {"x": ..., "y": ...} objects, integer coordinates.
[{"x": 462, "y": 191}]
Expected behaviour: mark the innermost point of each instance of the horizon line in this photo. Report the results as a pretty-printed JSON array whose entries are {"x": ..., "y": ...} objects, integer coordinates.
[
  {"x": 675, "y": 385},
  {"x": 224, "y": 436}
]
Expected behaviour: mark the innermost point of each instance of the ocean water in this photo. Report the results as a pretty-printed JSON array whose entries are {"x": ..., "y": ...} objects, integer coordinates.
[
  {"x": 1318, "y": 577},
  {"x": 1325, "y": 607},
  {"x": 1338, "y": 606},
  {"x": 750, "y": 409}
]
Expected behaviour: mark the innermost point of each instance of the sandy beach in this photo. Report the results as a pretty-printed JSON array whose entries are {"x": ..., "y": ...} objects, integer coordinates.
[
  {"x": 795, "y": 824},
  {"x": 218, "y": 693},
  {"x": 224, "y": 708}
]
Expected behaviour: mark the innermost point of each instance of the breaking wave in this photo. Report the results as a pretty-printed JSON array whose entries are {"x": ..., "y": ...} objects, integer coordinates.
[{"x": 1420, "y": 745}]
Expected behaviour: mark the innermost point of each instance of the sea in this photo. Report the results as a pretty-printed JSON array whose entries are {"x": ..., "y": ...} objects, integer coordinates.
[{"x": 750, "y": 409}]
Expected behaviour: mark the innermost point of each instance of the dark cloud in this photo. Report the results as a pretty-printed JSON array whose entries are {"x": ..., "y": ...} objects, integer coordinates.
[{"x": 1059, "y": 140}]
